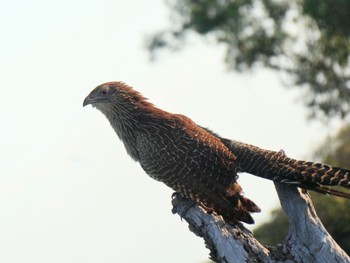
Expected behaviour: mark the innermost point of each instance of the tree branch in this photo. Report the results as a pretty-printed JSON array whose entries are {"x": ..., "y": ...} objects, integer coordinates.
[{"x": 307, "y": 240}]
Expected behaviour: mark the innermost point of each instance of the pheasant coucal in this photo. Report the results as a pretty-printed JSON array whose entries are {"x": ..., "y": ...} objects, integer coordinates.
[{"x": 198, "y": 163}]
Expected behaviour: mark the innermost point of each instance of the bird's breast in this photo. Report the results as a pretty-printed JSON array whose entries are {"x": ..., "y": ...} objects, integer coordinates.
[{"x": 163, "y": 158}]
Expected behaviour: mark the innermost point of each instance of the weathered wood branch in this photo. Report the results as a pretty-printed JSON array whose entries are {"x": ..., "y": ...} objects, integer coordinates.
[{"x": 307, "y": 240}]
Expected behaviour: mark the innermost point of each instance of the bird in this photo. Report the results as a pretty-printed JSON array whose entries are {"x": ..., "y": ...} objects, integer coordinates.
[{"x": 196, "y": 162}]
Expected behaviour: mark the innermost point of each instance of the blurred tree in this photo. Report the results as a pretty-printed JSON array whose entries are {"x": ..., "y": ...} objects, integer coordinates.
[
  {"x": 274, "y": 231},
  {"x": 306, "y": 40},
  {"x": 333, "y": 211}
]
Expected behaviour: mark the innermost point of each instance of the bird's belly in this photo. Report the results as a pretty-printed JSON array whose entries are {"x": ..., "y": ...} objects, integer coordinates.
[
  {"x": 167, "y": 164},
  {"x": 163, "y": 167}
]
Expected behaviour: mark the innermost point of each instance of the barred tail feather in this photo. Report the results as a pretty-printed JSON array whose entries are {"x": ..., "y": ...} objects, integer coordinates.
[
  {"x": 276, "y": 166},
  {"x": 321, "y": 173}
]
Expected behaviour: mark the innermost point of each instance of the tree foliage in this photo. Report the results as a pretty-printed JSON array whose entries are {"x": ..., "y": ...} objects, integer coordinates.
[
  {"x": 307, "y": 40},
  {"x": 333, "y": 211}
]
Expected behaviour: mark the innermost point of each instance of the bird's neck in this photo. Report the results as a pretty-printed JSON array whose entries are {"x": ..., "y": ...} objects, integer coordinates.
[{"x": 128, "y": 123}]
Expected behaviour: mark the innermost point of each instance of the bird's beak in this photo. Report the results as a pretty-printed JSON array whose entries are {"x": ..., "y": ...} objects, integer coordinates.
[{"x": 87, "y": 101}]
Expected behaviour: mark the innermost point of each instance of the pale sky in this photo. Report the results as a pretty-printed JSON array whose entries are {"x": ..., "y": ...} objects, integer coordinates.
[{"x": 68, "y": 190}]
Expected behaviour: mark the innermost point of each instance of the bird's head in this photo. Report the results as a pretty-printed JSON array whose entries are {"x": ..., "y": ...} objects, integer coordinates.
[
  {"x": 115, "y": 95},
  {"x": 107, "y": 93},
  {"x": 125, "y": 109}
]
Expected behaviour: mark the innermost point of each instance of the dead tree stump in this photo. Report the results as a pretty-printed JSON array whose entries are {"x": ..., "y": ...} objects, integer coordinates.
[{"x": 307, "y": 240}]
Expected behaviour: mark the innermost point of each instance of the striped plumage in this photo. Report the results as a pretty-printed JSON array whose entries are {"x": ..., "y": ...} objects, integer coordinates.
[{"x": 195, "y": 162}]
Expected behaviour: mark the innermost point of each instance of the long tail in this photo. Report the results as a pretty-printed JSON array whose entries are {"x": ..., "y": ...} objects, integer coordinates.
[{"x": 278, "y": 167}]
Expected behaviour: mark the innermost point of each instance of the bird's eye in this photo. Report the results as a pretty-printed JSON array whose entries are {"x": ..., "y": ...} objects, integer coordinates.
[{"x": 103, "y": 92}]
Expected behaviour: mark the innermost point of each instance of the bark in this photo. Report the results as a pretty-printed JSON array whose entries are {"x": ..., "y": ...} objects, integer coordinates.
[{"x": 307, "y": 240}]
